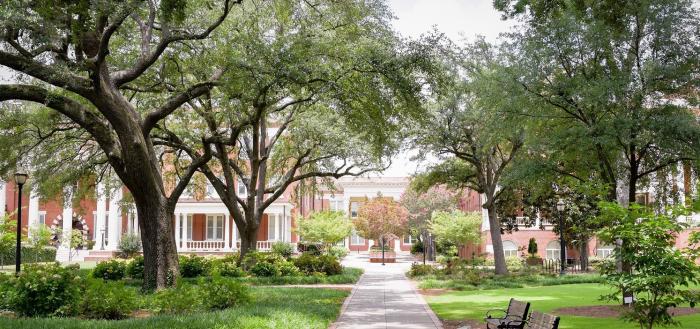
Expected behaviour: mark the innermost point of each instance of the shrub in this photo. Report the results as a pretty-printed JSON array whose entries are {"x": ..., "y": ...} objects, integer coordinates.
[
  {"x": 30, "y": 255},
  {"x": 193, "y": 266},
  {"x": 109, "y": 270},
  {"x": 220, "y": 293},
  {"x": 107, "y": 300},
  {"x": 310, "y": 264},
  {"x": 45, "y": 290},
  {"x": 135, "y": 268},
  {"x": 417, "y": 247},
  {"x": 514, "y": 263},
  {"x": 255, "y": 257},
  {"x": 325, "y": 227},
  {"x": 288, "y": 268},
  {"x": 265, "y": 269},
  {"x": 420, "y": 270},
  {"x": 177, "y": 300},
  {"x": 338, "y": 252},
  {"x": 284, "y": 249},
  {"x": 532, "y": 247},
  {"x": 129, "y": 245},
  {"x": 309, "y": 247},
  {"x": 228, "y": 269}
]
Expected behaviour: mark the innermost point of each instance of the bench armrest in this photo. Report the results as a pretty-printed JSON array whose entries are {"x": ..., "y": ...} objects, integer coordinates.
[
  {"x": 514, "y": 323},
  {"x": 488, "y": 313}
]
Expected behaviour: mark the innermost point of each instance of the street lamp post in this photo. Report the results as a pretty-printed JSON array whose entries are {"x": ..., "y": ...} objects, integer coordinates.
[
  {"x": 424, "y": 248},
  {"x": 383, "y": 243},
  {"x": 562, "y": 243},
  {"x": 20, "y": 179}
]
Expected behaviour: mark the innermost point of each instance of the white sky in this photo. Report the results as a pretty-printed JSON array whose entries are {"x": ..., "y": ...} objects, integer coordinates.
[{"x": 459, "y": 20}]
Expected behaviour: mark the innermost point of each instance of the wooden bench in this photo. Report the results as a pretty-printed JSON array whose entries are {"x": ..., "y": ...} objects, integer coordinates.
[
  {"x": 539, "y": 320},
  {"x": 513, "y": 318}
]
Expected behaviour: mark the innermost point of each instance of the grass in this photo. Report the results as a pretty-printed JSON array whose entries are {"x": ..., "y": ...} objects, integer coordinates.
[
  {"x": 270, "y": 308},
  {"x": 497, "y": 282},
  {"x": 459, "y": 305}
]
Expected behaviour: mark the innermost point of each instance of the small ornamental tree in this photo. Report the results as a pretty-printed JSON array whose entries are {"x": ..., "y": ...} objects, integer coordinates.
[
  {"x": 532, "y": 248},
  {"x": 659, "y": 274},
  {"x": 325, "y": 227},
  {"x": 380, "y": 218},
  {"x": 456, "y": 227},
  {"x": 421, "y": 205}
]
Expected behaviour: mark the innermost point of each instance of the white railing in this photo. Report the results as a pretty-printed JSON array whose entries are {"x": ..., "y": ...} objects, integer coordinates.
[
  {"x": 523, "y": 221},
  {"x": 546, "y": 221},
  {"x": 205, "y": 245}
]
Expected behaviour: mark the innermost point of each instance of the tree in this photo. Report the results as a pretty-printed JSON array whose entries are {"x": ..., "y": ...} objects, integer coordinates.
[
  {"x": 380, "y": 218},
  {"x": 422, "y": 205},
  {"x": 456, "y": 227},
  {"x": 613, "y": 81},
  {"x": 79, "y": 59},
  {"x": 532, "y": 247},
  {"x": 317, "y": 94},
  {"x": 473, "y": 131},
  {"x": 8, "y": 237},
  {"x": 660, "y": 274},
  {"x": 325, "y": 227}
]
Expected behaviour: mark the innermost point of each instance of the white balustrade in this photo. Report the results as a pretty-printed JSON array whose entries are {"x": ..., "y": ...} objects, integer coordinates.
[{"x": 205, "y": 245}]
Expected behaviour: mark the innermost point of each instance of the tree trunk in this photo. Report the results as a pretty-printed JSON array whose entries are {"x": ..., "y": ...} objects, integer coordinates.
[
  {"x": 158, "y": 239},
  {"x": 495, "y": 229},
  {"x": 249, "y": 239},
  {"x": 583, "y": 249}
]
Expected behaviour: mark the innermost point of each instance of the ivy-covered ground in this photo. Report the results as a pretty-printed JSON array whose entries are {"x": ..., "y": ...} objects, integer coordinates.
[
  {"x": 456, "y": 306},
  {"x": 270, "y": 308}
]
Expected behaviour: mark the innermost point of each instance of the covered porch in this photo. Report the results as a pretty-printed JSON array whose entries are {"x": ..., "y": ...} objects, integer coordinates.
[{"x": 208, "y": 227}]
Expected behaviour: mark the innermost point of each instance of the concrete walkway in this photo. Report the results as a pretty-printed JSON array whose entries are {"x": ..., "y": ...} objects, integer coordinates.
[{"x": 384, "y": 298}]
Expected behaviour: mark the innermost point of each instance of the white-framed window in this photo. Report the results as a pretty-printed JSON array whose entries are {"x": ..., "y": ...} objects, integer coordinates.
[
  {"x": 336, "y": 205},
  {"x": 356, "y": 240},
  {"x": 510, "y": 249},
  {"x": 408, "y": 239},
  {"x": 242, "y": 190},
  {"x": 553, "y": 250},
  {"x": 604, "y": 251},
  {"x": 189, "y": 227},
  {"x": 275, "y": 228},
  {"x": 215, "y": 227},
  {"x": 42, "y": 217},
  {"x": 354, "y": 209}
]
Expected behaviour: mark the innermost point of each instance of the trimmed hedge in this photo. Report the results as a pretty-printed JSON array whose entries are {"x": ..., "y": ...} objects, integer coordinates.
[{"x": 29, "y": 255}]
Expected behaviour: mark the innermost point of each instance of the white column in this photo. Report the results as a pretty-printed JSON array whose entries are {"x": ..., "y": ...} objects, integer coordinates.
[
  {"x": 114, "y": 219},
  {"x": 178, "y": 218},
  {"x": 67, "y": 228},
  {"x": 33, "y": 213},
  {"x": 3, "y": 200},
  {"x": 227, "y": 232},
  {"x": 137, "y": 230},
  {"x": 100, "y": 214},
  {"x": 184, "y": 231}
]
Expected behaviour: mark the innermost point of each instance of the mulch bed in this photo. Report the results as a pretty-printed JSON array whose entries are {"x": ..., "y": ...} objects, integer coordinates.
[
  {"x": 611, "y": 311},
  {"x": 433, "y": 292},
  {"x": 455, "y": 324}
]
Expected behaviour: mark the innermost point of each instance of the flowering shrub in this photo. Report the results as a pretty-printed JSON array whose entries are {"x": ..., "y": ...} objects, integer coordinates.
[
  {"x": 44, "y": 290},
  {"x": 109, "y": 270}
]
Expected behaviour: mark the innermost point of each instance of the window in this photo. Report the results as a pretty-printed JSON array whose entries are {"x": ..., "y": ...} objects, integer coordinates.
[
  {"x": 510, "y": 249},
  {"x": 337, "y": 205},
  {"x": 275, "y": 228},
  {"x": 356, "y": 239},
  {"x": 408, "y": 239},
  {"x": 642, "y": 199},
  {"x": 354, "y": 209},
  {"x": 553, "y": 250},
  {"x": 42, "y": 217},
  {"x": 215, "y": 227},
  {"x": 242, "y": 189},
  {"x": 604, "y": 251},
  {"x": 189, "y": 227}
]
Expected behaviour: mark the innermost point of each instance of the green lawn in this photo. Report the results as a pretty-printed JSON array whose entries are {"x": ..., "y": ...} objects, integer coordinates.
[
  {"x": 458, "y": 305},
  {"x": 271, "y": 308}
]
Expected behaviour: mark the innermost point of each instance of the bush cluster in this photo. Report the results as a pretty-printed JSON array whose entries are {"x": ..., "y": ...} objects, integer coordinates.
[
  {"x": 310, "y": 264},
  {"x": 29, "y": 255},
  {"x": 213, "y": 293},
  {"x": 135, "y": 268},
  {"x": 43, "y": 290},
  {"x": 107, "y": 300},
  {"x": 263, "y": 264},
  {"x": 420, "y": 270},
  {"x": 110, "y": 270},
  {"x": 338, "y": 252},
  {"x": 284, "y": 249},
  {"x": 129, "y": 245},
  {"x": 194, "y": 266}
]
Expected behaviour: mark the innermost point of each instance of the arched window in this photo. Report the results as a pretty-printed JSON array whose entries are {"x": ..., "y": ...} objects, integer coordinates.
[
  {"x": 553, "y": 250},
  {"x": 604, "y": 250},
  {"x": 510, "y": 249}
]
